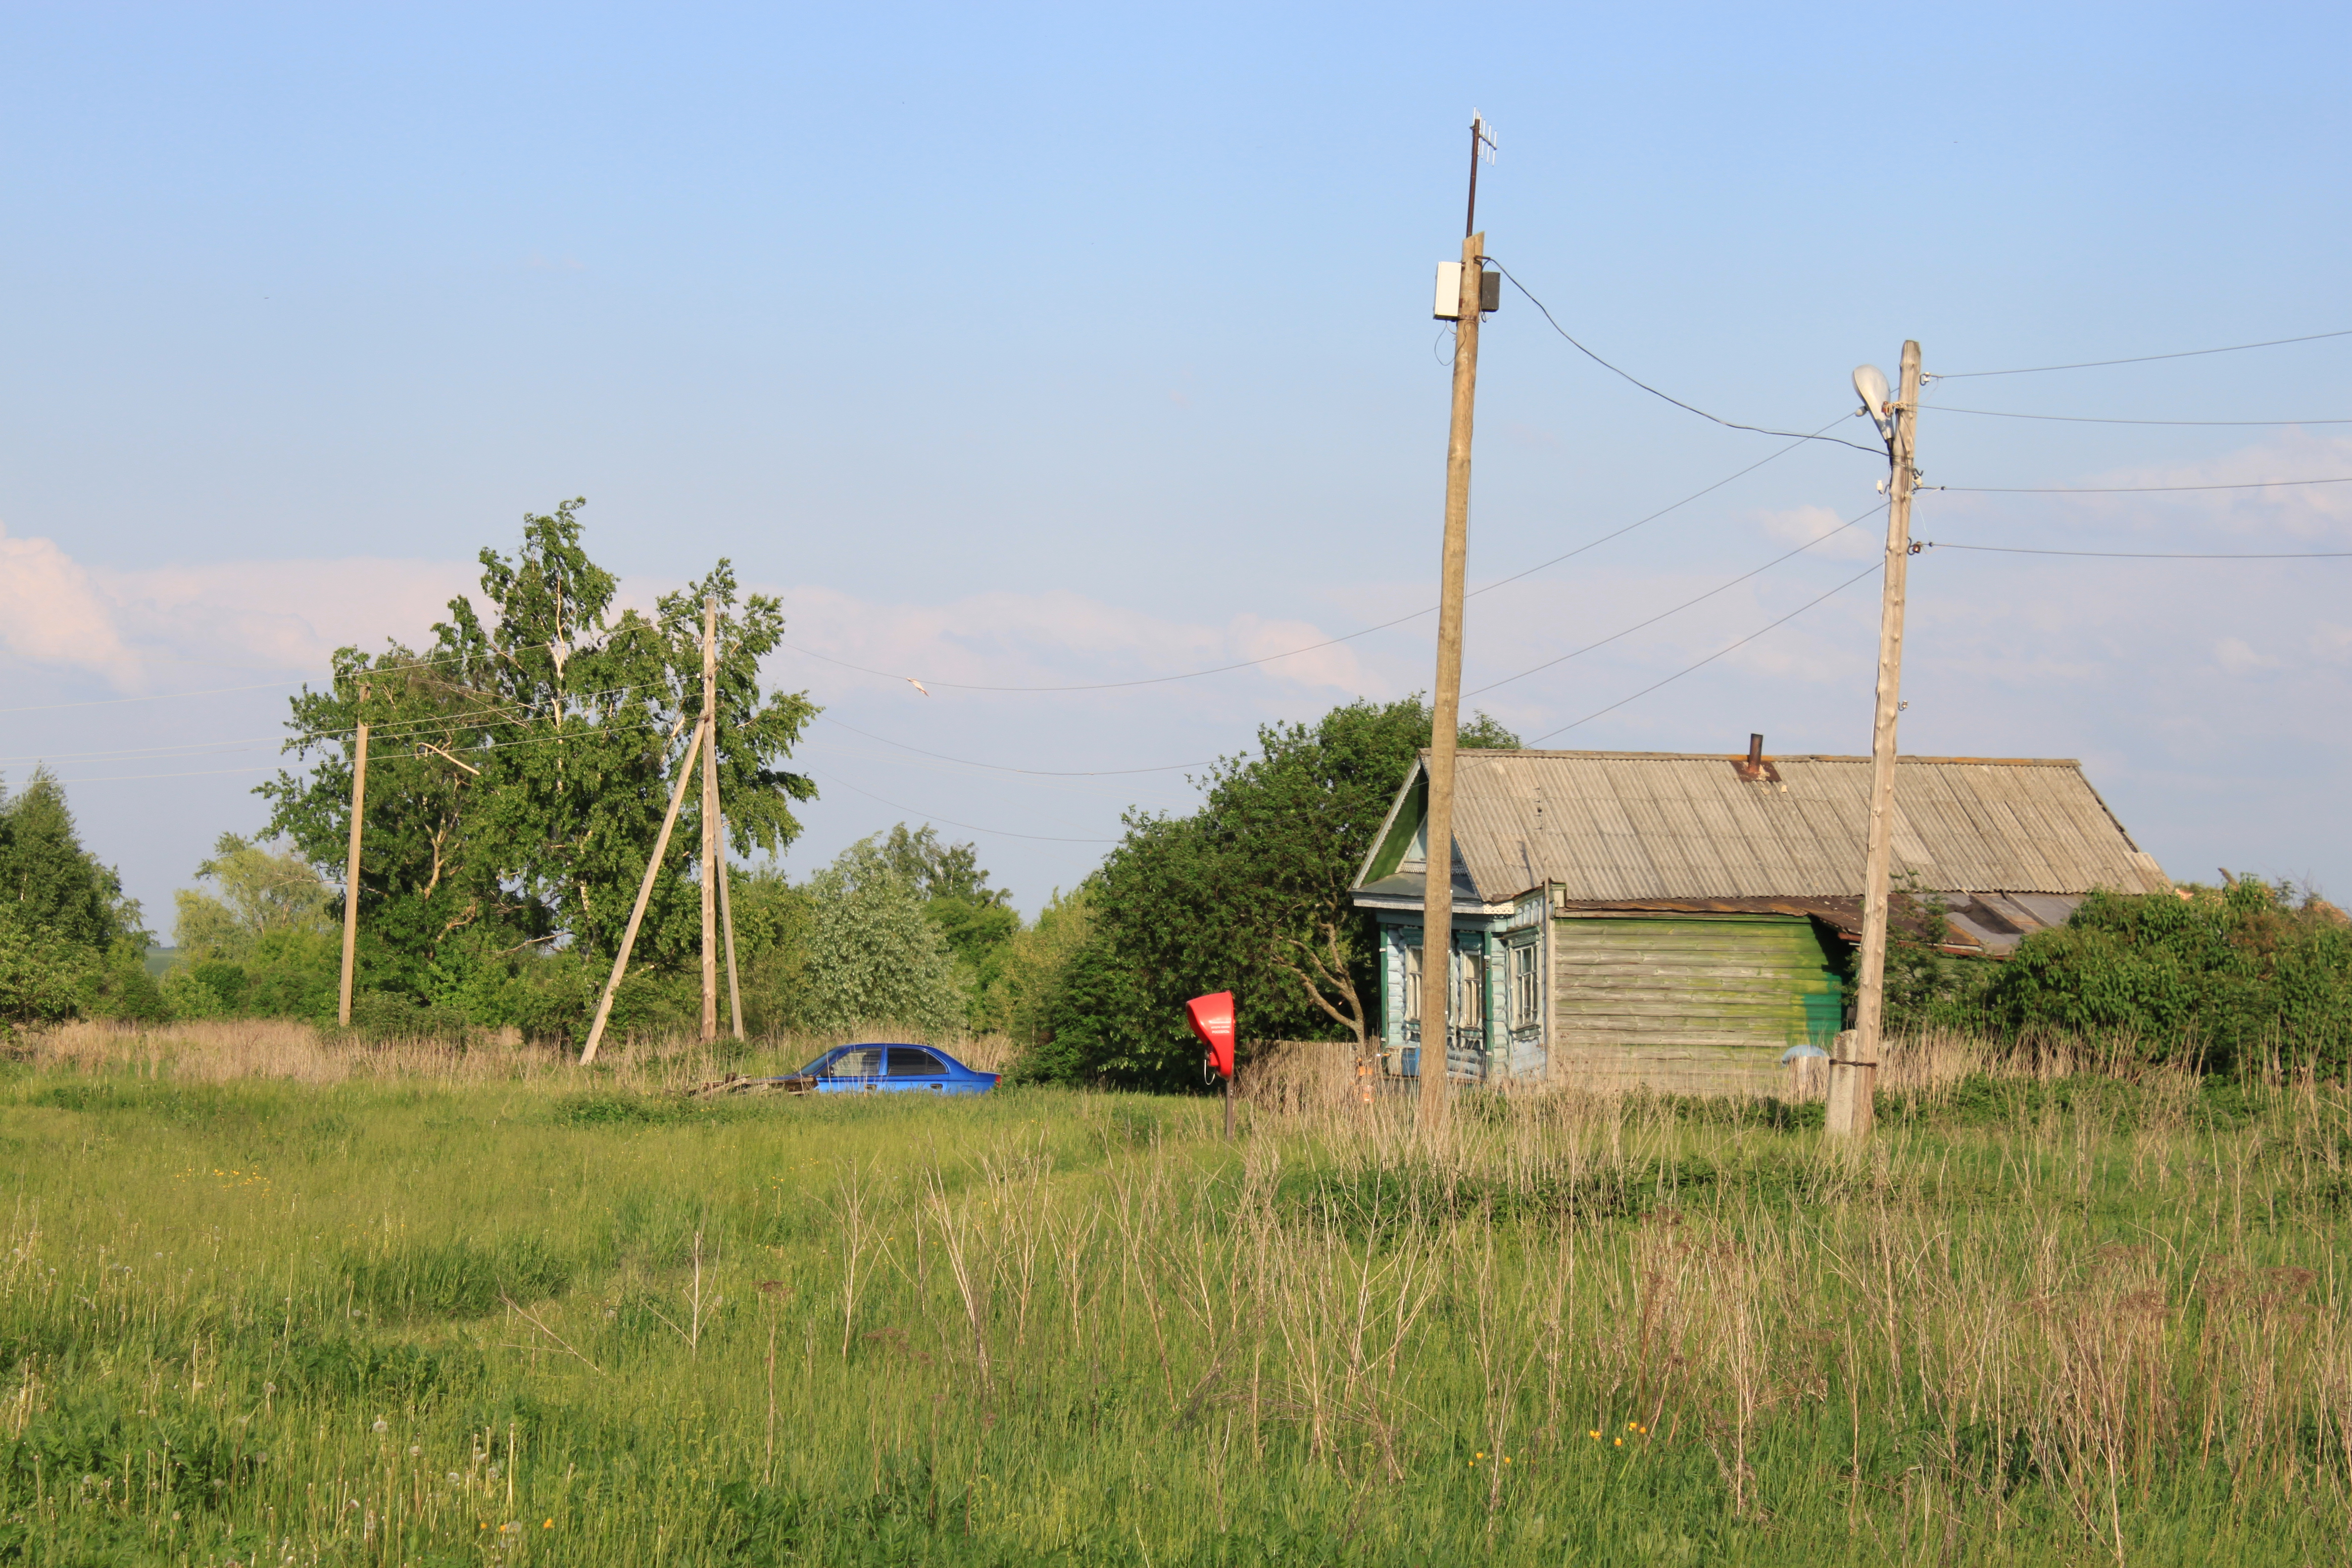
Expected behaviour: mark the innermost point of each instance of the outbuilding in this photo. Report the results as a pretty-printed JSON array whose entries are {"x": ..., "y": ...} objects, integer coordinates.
[{"x": 1656, "y": 918}]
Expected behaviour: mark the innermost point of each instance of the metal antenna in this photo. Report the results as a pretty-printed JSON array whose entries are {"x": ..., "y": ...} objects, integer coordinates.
[{"x": 1482, "y": 137}]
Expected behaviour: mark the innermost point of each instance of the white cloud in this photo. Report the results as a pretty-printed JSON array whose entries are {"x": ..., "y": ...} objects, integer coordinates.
[
  {"x": 2236, "y": 656},
  {"x": 1804, "y": 524},
  {"x": 2286, "y": 511},
  {"x": 2331, "y": 641},
  {"x": 140, "y": 629},
  {"x": 51, "y": 613},
  {"x": 1053, "y": 638}
]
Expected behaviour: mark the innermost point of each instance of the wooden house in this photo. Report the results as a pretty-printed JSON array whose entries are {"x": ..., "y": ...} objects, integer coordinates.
[{"x": 1644, "y": 917}]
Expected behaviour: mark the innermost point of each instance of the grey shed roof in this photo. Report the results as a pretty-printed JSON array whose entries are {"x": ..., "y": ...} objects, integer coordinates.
[{"x": 1628, "y": 827}]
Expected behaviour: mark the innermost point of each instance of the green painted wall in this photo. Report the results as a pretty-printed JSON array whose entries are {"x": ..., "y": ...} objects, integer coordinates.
[{"x": 1752, "y": 983}]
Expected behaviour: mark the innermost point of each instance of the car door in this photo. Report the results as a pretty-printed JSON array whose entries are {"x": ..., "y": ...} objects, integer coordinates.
[
  {"x": 913, "y": 1068},
  {"x": 858, "y": 1070}
]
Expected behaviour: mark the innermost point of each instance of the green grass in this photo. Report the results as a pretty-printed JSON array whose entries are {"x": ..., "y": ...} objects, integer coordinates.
[{"x": 387, "y": 1322}]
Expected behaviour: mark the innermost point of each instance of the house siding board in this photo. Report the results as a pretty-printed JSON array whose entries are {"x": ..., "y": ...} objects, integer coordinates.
[{"x": 1716, "y": 1000}]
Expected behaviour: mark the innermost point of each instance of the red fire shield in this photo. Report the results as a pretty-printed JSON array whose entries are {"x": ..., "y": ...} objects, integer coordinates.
[{"x": 1212, "y": 1020}]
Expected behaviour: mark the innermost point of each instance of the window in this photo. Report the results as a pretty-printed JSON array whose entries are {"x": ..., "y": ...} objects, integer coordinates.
[
  {"x": 1469, "y": 992},
  {"x": 865, "y": 1061},
  {"x": 1413, "y": 985},
  {"x": 907, "y": 1061},
  {"x": 1527, "y": 988}
]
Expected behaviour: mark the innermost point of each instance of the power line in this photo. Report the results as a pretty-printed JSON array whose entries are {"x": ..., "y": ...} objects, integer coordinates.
[
  {"x": 1710, "y": 658},
  {"x": 2139, "y": 359},
  {"x": 1329, "y": 642},
  {"x": 1000, "y": 768},
  {"x": 2143, "y": 554},
  {"x": 1685, "y": 605},
  {"x": 968, "y": 827},
  {"x": 2121, "y": 489},
  {"x": 1727, "y": 424},
  {"x": 2087, "y": 419},
  {"x": 135, "y": 778}
]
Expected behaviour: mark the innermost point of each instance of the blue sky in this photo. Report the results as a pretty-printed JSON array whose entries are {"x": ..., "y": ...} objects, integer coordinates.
[{"x": 1042, "y": 347}]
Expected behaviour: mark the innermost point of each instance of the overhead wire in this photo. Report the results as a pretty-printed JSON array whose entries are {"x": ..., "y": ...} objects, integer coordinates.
[
  {"x": 1646, "y": 386},
  {"x": 1687, "y": 604},
  {"x": 2139, "y": 359},
  {"x": 2089, "y": 419},
  {"x": 999, "y": 767},
  {"x": 2124, "y": 490},
  {"x": 967, "y": 827},
  {"x": 2145, "y": 554},
  {"x": 1710, "y": 658},
  {"x": 1350, "y": 637}
]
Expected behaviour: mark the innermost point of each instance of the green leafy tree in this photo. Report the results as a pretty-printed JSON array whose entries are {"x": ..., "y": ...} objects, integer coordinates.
[
  {"x": 1248, "y": 894},
  {"x": 259, "y": 891},
  {"x": 526, "y": 757},
  {"x": 977, "y": 920},
  {"x": 49, "y": 882},
  {"x": 70, "y": 943},
  {"x": 875, "y": 957}
]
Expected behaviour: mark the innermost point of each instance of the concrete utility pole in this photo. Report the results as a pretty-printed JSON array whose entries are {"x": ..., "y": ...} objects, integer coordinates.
[
  {"x": 1446, "y": 715},
  {"x": 710, "y": 817},
  {"x": 1854, "y": 1072},
  {"x": 352, "y": 868}
]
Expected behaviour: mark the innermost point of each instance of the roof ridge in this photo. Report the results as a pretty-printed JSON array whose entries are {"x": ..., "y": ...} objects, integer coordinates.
[{"x": 1485, "y": 752}]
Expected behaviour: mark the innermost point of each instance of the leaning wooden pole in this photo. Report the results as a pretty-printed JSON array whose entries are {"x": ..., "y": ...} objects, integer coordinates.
[
  {"x": 352, "y": 869},
  {"x": 644, "y": 891},
  {"x": 727, "y": 924}
]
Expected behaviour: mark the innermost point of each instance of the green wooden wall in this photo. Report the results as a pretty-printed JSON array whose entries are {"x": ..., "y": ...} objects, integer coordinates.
[{"x": 1689, "y": 1003}]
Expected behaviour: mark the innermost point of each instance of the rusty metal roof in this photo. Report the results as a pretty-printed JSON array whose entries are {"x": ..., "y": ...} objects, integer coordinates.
[{"x": 1632, "y": 826}]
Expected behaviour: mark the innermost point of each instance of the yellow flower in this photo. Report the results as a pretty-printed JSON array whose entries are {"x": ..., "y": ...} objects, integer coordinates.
[
  {"x": 1506, "y": 1459},
  {"x": 1596, "y": 1437},
  {"x": 1620, "y": 1442},
  {"x": 548, "y": 1525}
]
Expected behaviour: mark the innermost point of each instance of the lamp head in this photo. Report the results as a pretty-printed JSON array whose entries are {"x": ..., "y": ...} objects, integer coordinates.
[{"x": 1871, "y": 382}]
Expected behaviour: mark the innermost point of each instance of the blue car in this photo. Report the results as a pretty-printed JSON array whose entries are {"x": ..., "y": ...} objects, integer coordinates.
[{"x": 871, "y": 1070}]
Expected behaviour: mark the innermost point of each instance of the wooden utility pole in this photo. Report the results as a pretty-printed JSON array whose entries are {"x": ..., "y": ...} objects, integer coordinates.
[
  {"x": 352, "y": 868},
  {"x": 1854, "y": 1073},
  {"x": 1446, "y": 715},
  {"x": 727, "y": 925},
  {"x": 709, "y": 818},
  {"x": 644, "y": 891}
]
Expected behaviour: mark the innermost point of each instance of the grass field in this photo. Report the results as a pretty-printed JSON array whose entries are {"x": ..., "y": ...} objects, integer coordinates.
[{"x": 267, "y": 1301}]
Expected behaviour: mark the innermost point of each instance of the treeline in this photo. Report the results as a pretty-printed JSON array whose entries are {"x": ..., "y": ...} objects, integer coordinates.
[{"x": 521, "y": 763}]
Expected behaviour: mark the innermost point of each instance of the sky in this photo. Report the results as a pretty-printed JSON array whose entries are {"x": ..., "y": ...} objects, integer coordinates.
[{"x": 1064, "y": 346}]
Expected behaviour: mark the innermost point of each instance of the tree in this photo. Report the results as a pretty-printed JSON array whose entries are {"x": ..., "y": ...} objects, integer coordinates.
[
  {"x": 48, "y": 881},
  {"x": 70, "y": 942},
  {"x": 262, "y": 890},
  {"x": 1248, "y": 894},
  {"x": 874, "y": 956},
  {"x": 977, "y": 920},
  {"x": 521, "y": 764}
]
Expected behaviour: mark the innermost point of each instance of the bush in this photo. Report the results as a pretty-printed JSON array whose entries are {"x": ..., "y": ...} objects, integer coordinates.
[{"x": 2223, "y": 974}]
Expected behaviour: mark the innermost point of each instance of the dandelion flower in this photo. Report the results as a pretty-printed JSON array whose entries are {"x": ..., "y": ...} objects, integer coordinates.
[
  {"x": 548, "y": 1525},
  {"x": 1620, "y": 1442}
]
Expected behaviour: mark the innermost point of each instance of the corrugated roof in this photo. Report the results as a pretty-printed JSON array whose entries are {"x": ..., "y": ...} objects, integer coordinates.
[{"x": 1636, "y": 826}]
